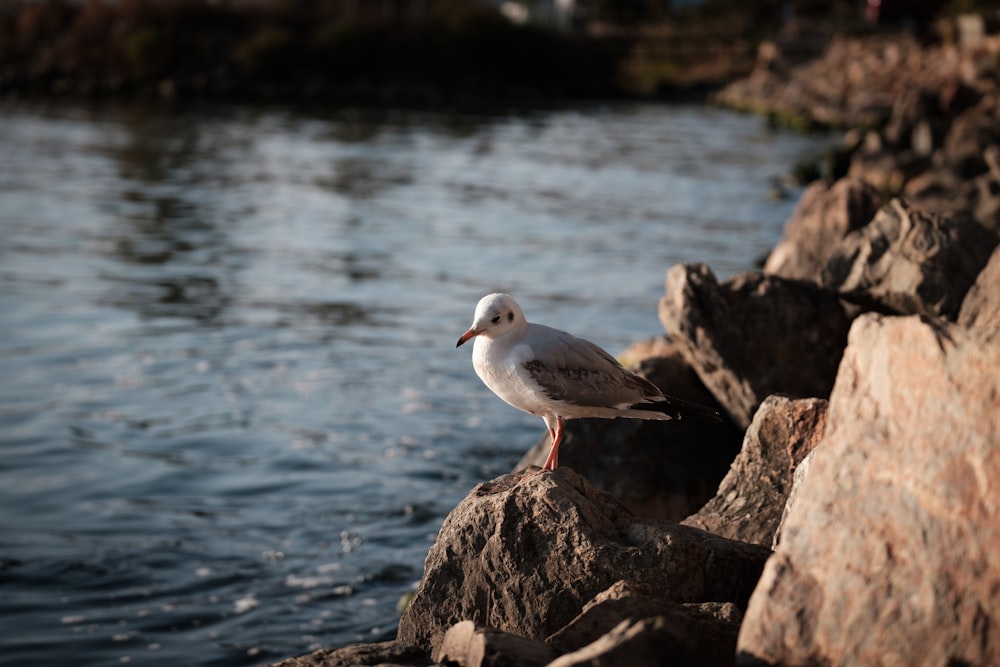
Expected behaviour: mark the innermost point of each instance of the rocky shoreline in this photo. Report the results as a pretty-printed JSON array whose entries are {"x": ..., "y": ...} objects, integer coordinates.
[{"x": 856, "y": 519}]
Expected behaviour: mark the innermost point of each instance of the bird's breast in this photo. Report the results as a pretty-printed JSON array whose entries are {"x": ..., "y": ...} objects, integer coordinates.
[{"x": 503, "y": 372}]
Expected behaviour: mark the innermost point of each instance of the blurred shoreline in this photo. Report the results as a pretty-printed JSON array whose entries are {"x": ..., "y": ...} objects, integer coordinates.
[{"x": 445, "y": 54}]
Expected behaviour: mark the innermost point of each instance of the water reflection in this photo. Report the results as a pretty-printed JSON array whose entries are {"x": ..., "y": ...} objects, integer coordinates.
[
  {"x": 364, "y": 177},
  {"x": 161, "y": 215}
]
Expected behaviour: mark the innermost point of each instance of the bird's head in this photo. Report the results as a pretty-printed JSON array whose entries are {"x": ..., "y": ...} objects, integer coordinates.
[{"x": 496, "y": 315}]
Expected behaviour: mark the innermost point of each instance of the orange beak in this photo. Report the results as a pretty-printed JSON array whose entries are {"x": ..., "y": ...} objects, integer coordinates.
[{"x": 471, "y": 333}]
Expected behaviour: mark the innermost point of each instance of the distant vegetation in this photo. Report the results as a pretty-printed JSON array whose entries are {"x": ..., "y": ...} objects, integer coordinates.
[
  {"x": 424, "y": 51},
  {"x": 307, "y": 49}
]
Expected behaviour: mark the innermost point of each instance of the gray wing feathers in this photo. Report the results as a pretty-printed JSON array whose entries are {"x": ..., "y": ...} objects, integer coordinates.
[{"x": 576, "y": 371}]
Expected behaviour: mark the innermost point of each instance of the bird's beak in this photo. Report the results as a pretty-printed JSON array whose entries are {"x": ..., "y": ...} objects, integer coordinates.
[{"x": 471, "y": 333}]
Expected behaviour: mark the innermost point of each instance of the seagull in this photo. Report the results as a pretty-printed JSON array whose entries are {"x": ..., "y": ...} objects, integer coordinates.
[{"x": 557, "y": 376}]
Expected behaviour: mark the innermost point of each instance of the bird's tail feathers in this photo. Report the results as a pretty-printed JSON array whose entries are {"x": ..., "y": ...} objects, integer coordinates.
[{"x": 677, "y": 408}]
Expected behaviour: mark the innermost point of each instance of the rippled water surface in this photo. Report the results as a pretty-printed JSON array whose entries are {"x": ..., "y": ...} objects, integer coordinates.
[{"x": 232, "y": 414}]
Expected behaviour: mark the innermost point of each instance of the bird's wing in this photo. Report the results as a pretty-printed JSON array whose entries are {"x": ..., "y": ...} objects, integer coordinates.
[{"x": 576, "y": 371}]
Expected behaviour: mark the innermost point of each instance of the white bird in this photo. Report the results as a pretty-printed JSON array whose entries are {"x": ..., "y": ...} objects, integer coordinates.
[{"x": 558, "y": 376}]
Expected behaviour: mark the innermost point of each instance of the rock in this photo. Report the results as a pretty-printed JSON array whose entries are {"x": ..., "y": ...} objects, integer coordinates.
[
  {"x": 751, "y": 499},
  {"x": 939, "y": 190},
  {"x": 662, "y": 362},
  {"x": 754, "y": 335},
  {"x": 969, "y": 135},
  {"x": 824, "y": 215},
  {"x": 624, "y": 600},
  {"x": 657, "y": 469},
  {"x": 909, "y": 261},
  {"x": 890, "y": 552},
  {"x": 469, "y": 645},
  {"x": 798, "y": 479},
  {"x": 981, "y": 306},
  {"x": 985, "y": 207},
  {"x": 679, "y": 640},
  {"x": 922, "y": 115},
  {"x": 526, "y": 557},
  {"x": 887, "y": 170},
  {"x": 384, "y": 654},
  {"x": 854, "y": 83}
]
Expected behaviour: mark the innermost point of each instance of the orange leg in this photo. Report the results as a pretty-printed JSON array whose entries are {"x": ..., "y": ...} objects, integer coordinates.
[{"x": 556, "y": 433}]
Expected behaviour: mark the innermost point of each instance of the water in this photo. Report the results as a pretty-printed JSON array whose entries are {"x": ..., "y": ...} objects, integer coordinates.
[{"x": 232, "y": 416}]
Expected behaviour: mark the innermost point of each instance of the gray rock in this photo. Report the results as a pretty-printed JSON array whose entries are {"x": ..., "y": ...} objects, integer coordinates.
[
  {"x": 889, "y": 554},
  {"x": 909, "y": 261},
  {"x": 525, "y": 557},
  {"x": 754, "y": 335},
  {"x": 752, "y": 497}
]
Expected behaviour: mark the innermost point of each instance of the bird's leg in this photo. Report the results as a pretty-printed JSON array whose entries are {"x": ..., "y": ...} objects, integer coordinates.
[{"x": 556, "y": 433}]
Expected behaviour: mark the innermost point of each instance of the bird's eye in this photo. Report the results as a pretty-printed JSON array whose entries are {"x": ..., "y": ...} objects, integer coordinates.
[{"x": 496, "y": 320}]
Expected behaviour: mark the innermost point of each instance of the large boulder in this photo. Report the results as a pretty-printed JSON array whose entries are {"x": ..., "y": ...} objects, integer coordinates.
[
  {"x": 754, "y": 335},
  {"x": 525, "y": 554},
  {"x": 891, "y": 552},
  {"x": 824, "y": 215},
  {"x": 981, "y": 307},
  {"x": 657, "y": 469},
  {"x": 751, "y": 499},
  {"x": 910, "y": 261}
]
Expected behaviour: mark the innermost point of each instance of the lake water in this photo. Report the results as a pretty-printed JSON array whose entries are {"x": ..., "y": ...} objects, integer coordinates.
[{"x": 232, "y": 415}]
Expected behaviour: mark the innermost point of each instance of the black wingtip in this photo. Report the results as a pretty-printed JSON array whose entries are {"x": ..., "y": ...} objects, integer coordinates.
[{"x": 678, "y": 408}]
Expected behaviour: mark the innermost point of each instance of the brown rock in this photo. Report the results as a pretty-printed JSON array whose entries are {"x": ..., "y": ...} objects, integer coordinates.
[
  {"x": 981, "y": 306},
  {"x": 887, "y": 170},
  {"x": 824, "y": 215},
  {"x": 525, "y": 557},
  {"x": 383, "y": 654},
  {"x": 940, "y": 190},
  {"x": 625, "y": 600},
  {"x": 917, "y": 121},
  {"x": 751, "y": 499},
  {"x": 798, "y": 480},
  {"x": 754, "y": 335},
  {"x": 985, "y": 202},
  {"x": 469, "y": 645},
  {"x": 965, "y": 176},
  {"x": 854, "y": 83},
  {"x": 657, "y": 469},
  {"x": 969, "y": 135},
  {"x": 890, "y": 553},
  {"x": 909, "y": 261},
  {"x": 673, "y": 639}
]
